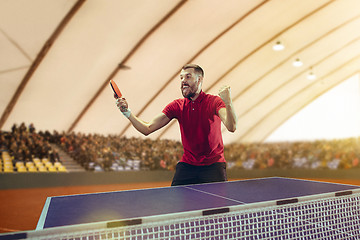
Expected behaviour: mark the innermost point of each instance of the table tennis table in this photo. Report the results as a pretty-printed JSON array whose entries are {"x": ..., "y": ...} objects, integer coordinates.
[{"x": 210, "y": 204}]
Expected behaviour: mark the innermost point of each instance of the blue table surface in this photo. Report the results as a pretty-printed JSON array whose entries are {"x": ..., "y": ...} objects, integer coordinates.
[{"x": 88, "y": 208}]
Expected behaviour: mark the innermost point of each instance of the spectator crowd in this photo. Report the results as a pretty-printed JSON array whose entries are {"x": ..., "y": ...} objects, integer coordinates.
[
  {"x": 108, "y": 153},
  {"x": 112, "y": 153},
  {"x": 321, "y": 154},
  {"x": 24, "y": 144}
]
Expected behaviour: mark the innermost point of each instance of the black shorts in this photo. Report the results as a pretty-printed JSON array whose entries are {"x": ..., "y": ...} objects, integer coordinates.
[{"x": 189, "y": 174}]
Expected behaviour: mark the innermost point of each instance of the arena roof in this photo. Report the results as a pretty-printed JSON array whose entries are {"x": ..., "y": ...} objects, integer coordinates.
[{"x": 58, "y": 56}]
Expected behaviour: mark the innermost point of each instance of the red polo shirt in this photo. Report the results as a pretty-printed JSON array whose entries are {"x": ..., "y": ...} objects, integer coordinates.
[{"x": 200, "y": 127}]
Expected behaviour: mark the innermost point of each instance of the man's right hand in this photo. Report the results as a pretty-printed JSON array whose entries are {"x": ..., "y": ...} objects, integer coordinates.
[{"x": 122, "y": 104}]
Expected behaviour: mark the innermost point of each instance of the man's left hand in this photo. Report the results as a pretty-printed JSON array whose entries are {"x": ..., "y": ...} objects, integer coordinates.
[{"x": 225, "y": 94}]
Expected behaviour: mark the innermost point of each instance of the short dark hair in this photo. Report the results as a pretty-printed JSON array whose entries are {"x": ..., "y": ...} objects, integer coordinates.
[{"x": 196, "y": 68}]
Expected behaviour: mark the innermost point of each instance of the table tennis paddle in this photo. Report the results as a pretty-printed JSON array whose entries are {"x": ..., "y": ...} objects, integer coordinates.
[{"x": 115, "y": 89}]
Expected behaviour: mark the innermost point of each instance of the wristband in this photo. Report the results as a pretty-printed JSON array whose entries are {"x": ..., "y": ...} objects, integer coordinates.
[{"x": 127, "y": 113}]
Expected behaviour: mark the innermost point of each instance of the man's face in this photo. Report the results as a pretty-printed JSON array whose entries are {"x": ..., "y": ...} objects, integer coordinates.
[{"x": 190, "y": 83}]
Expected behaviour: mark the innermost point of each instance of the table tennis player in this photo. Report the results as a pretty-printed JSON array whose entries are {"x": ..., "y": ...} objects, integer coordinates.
[{"x": 199, "y": 116}]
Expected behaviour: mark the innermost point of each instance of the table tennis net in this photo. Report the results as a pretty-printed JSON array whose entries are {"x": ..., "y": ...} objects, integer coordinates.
[{"x": 336, "y": 217}]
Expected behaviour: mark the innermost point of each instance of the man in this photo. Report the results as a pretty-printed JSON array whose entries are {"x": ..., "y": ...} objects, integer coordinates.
[{"x": 200, "y": 116}]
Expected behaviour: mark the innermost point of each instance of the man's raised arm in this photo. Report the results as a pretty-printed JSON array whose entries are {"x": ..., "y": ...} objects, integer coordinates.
[
  {"x": 227, "y": 115},
  {"x": 143, "y": 127}
]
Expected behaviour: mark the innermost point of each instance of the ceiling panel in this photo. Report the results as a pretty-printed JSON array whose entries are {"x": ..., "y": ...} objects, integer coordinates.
[{"x": 142, "y": 45}]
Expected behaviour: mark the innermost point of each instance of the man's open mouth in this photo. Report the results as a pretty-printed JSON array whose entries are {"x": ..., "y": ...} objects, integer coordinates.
[{"x": 185, "y": 86}]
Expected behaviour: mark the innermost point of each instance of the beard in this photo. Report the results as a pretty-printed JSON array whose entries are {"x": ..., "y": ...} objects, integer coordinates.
[{"x": 188, "y": 93}]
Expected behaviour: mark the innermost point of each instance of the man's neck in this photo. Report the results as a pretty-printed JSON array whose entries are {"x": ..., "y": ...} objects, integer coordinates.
[{"x": 195, "y": 96}]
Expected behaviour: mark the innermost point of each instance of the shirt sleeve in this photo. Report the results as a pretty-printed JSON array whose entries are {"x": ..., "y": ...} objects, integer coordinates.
[
  {"x": 218, "y": 103},
  {"x": 171, "y": 110}
]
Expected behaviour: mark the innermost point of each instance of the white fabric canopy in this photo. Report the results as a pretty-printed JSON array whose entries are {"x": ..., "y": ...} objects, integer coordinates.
[{"x": 58, "y": 56}]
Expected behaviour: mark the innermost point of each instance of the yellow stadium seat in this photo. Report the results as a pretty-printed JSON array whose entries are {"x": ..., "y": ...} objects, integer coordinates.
[
  {"x": 48, "y": 164},
  {"x": 36, "y": 160},
  {"x": 42, "y": 169},
  {"x": 19, "y": 164},
  {"x": 52, "y": 169},
  {"x": 8, "y": 170},
  {"x": 57, "y": 164},
  {"x": 39, "y": 164},
  {"x": 32, "y": 169},
  {"x": 29, "y": 164},
  {"x": 62, "y": 169},
  {"x": 8, "y": 165},
  {"x": 8, "y": 161},
  {"x": 45, "y": 160},
  {"x": 21, "y": 169},
  {"x": 6, "y": 155}
]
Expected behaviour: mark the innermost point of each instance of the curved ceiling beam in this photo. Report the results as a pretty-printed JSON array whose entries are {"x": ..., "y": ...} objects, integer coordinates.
[
  {"x": 194, "y": 57},
  {"x": 294, "y": 96},
  {"x": 263, "y": 45},
  {"x": 289, "y": 81},
  {"x": 122, "y": 65},
  {"x": 261, "y": 100},
  {"x": 38, "y": 60},
  {"x": 300, "y": 90}
]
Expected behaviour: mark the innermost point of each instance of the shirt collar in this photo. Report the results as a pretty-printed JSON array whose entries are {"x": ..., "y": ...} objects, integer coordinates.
[{"x": 199, "y": 98}]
